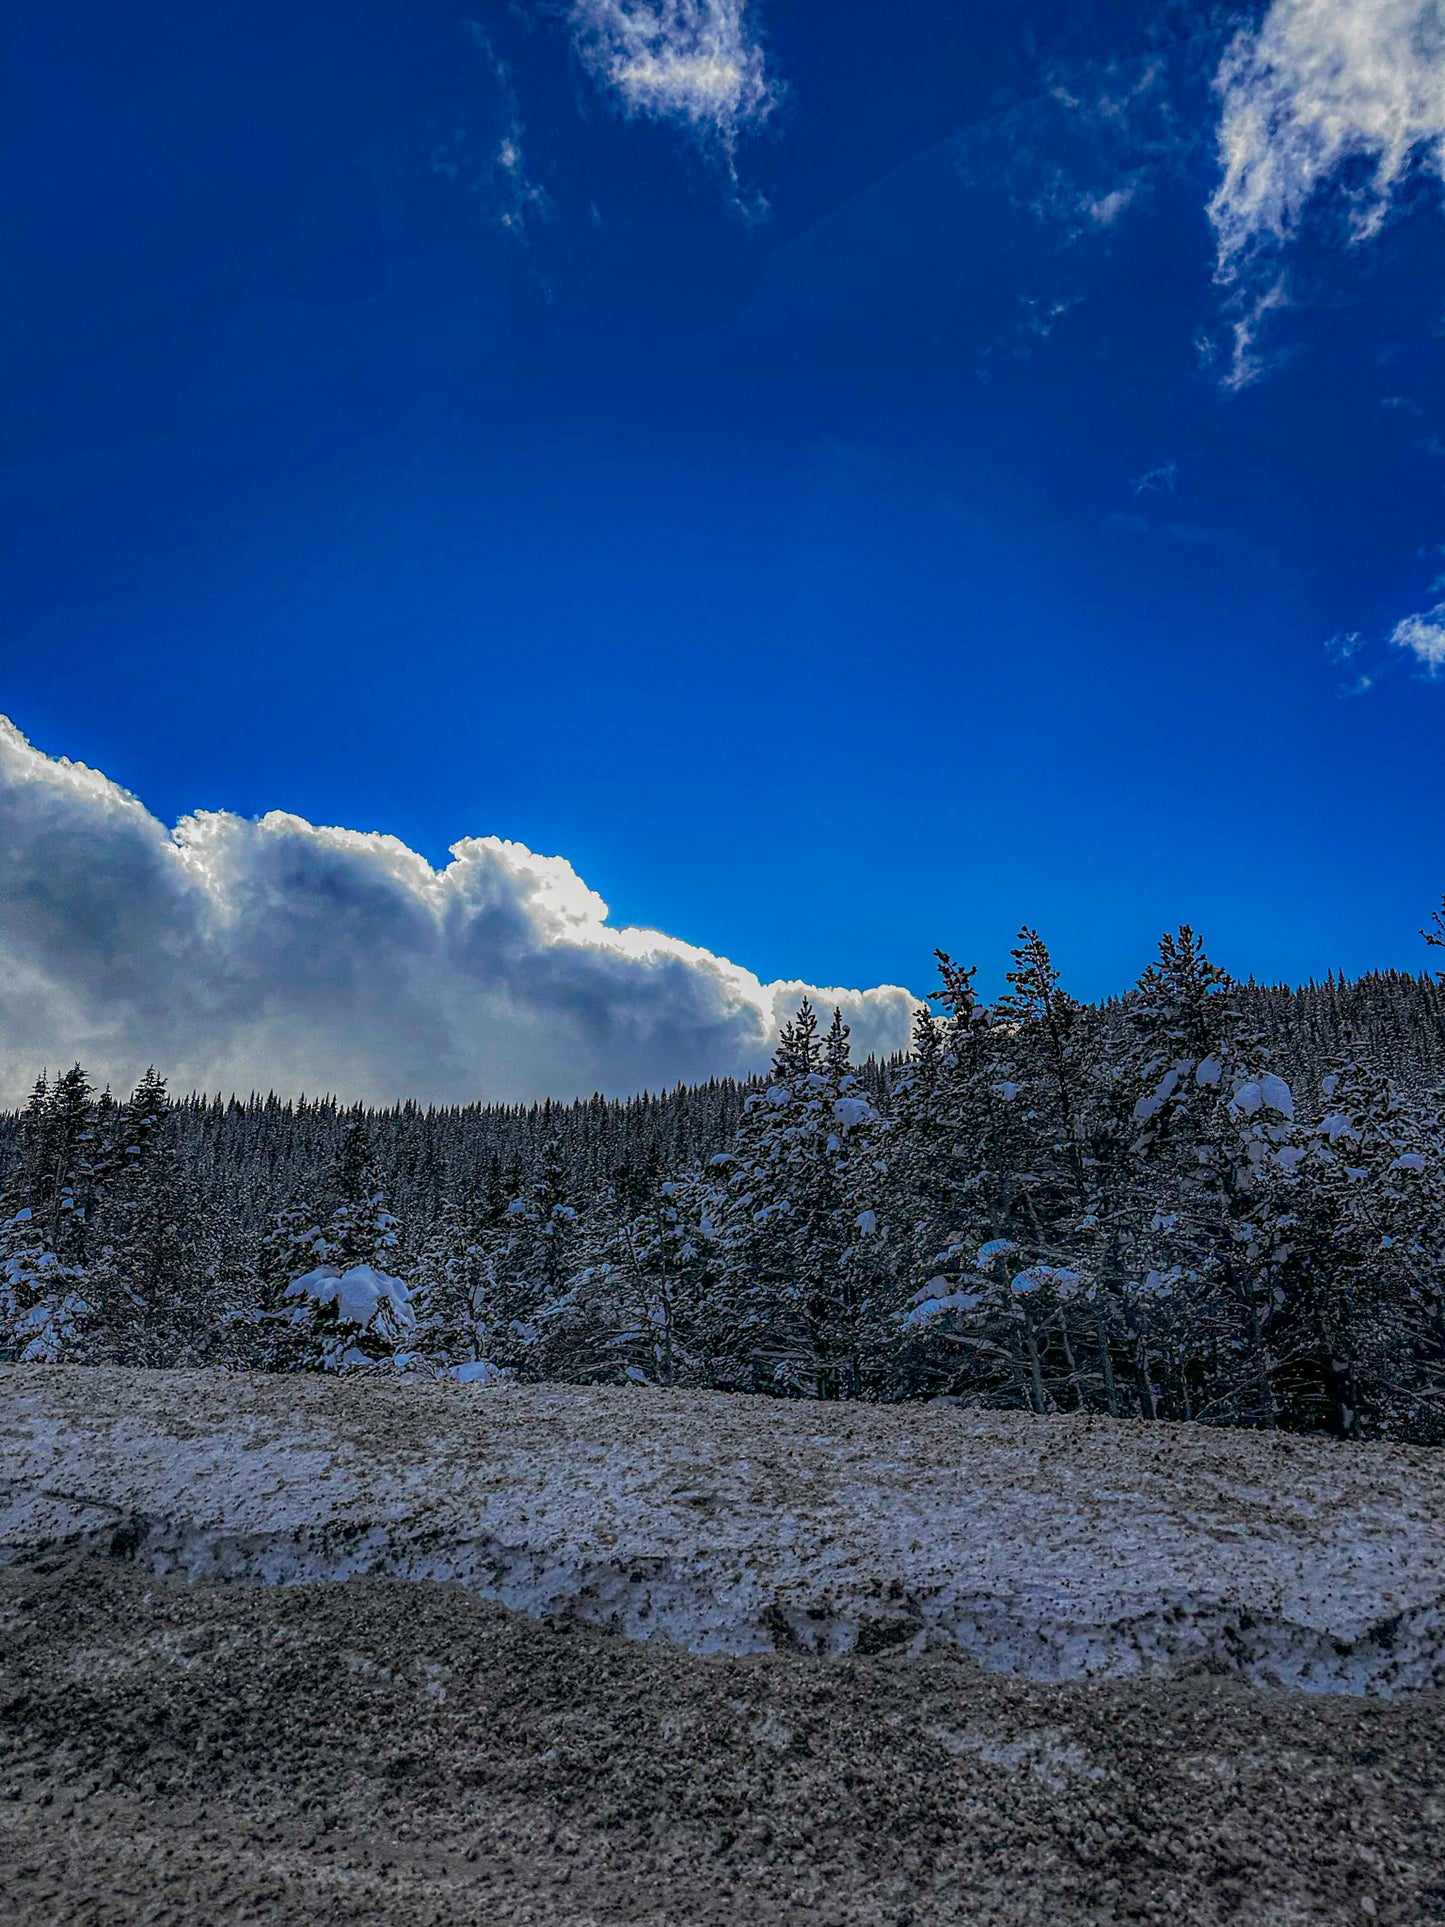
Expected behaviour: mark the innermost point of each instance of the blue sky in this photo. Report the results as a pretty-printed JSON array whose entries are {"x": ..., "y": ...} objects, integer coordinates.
[{"x": 848, "y": 479}]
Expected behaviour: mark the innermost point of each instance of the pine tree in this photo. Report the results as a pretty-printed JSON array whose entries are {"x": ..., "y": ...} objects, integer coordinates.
[
  {"x": 1363, "y": 1210},
  {"x": 465, "y": 1315},
  {"x": 334, "y": 1298},
  {"x": 982, "y": 1124},
  {"x": 1214, "y": 1125},
  {"x": 1071, "y": 1102},
  {"x": 71, "y": 1163},
  {"x": 47, "y": 1310},
  {"x": 807, "y": 1279},
  {"x": 545, "y": 1272},
  {"x": 149, "y": 1280},
  {"x": 649, "y": 1294}
]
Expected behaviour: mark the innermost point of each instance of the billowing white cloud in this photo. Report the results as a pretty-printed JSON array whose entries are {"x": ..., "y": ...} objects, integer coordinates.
[
  {"x": 1423, "y": 636},
  {"x": 694, "y": 61},
  {"x": 237, "y": 954},
  {"x": 1317, "y": 85}
]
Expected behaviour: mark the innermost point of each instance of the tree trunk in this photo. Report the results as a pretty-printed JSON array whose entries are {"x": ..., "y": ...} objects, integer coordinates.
[
  {"x": 1106, "y": 1360},
  {"x": 1036, "y": 1374}
]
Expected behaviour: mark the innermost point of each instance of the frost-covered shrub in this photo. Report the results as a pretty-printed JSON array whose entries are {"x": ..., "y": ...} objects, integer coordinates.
[{"x": 340, "y": 1319}]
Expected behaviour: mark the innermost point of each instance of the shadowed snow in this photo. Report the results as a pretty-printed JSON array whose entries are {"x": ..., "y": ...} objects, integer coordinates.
[{"x": 1056, "y": 1548}]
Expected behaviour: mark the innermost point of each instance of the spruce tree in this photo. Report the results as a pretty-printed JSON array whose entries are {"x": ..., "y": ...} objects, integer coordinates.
[
  {"x": 1214, "y": 1124},
  {"x": 150, "y": 1280},
  {"x": 649, "y": 1293},
  {"x": 47, "y": 1309},
  {"x": 335, "y": 1300},
  {"x": 1363, "y": 1211},
  {"x": 806, "y": 1279}
]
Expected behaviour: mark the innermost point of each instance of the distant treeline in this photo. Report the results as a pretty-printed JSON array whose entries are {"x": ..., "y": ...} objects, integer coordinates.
[{"x": 1203, "y": 1200}]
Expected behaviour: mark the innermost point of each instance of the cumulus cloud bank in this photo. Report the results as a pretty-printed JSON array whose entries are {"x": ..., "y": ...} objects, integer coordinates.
[
  {"x": 238, "y": 954},
  {"x": 693, "y": 61},
  {"x": 1316, "y": 85}
]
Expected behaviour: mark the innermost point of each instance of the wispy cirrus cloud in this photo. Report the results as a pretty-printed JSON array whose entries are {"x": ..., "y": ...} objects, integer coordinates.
[
  {"x": 1083, "y": 151},
  {"x": 696, "y": 62},
  {"x": 1162, "y": 480},
  {"x": 496, "y": 169},
  {"x": 1341, "y": 95}
]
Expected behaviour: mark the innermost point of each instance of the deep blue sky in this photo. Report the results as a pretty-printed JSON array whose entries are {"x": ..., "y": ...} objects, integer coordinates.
[{"x": 785, "y": 568}]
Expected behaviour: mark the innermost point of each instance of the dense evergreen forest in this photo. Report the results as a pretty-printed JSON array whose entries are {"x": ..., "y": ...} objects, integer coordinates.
[{"x": 1203, "y": 1200}]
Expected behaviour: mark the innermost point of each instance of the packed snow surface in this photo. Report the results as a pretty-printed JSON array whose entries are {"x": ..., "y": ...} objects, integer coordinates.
[{"x": 1057, "y": 1548}]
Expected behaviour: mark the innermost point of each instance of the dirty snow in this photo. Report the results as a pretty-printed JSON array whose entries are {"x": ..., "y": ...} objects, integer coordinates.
[
  {"x": 378, "y": 1754},
  {"x": 1055, "y": 1548}
]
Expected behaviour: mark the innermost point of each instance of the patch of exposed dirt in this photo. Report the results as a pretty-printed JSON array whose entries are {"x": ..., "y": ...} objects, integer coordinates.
[{"x": 384, "y": 1751}]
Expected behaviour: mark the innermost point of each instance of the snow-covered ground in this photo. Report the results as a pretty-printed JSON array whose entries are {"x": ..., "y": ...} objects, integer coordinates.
[{"x": 1055, "y": 1548}]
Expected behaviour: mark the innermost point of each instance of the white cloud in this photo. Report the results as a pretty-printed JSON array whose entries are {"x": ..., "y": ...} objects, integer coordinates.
[
  {"x": 693, "y": 61},
  {"x": 496, "y": 171},
  {"x": 1317, "y": 85},
  {"x": 1349, "y": 93},
  {"x": 235, "y": 954},
  {"x": 1104, "y": 209},
  {"x": 1162, "y": 480},
  {"x": 1424, "y": 637}
]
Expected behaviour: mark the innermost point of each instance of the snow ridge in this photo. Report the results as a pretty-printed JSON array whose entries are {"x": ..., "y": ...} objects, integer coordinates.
[{"x": 1053, "y": 1549}]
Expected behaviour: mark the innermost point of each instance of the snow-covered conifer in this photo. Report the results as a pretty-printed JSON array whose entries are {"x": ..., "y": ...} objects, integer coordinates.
[
  {"x": 1363, "y": 1209},
  {"x": 47, "y": 1314},
  {"x": 1214, "y": 1125},
  {"x": 151, "y": 1277},
  {"x": 335, "y": 1296},
  {"x": 809, "y": 1278},
  {"x": 650, "y": 1293}
]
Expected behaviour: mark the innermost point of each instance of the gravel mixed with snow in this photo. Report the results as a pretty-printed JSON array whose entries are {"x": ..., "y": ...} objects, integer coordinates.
[{"x": 1056, "y": 1548}]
